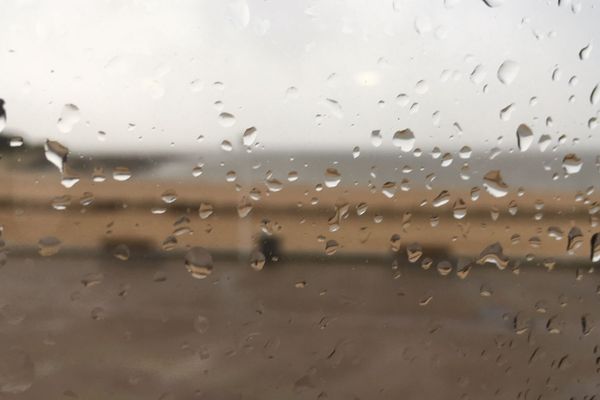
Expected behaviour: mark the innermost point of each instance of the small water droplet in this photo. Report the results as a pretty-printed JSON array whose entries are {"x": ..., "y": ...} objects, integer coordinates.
[
  {"x": 331, "y": 247},
  {"x": 201, "y": 324},
  {"x": 585, "y": 52},
  {"x": 257, "y": 260},
  {"x": 169, "y": 196},
  {"x": 493, "y": 3},
  {"x": 595, "y": 95}
]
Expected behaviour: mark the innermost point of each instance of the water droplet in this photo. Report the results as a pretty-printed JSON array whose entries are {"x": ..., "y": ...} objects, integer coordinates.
[
  {"x": 334, "y": 108},
  {"x": 332, "y": 177},
  {"x": 460, "y": 209},
  {"x": 226, "y": 119},
  {"x": 169, "y": 196},
  {"x": 356, "y": 152},
  {"x": 508, "y": 71},
  {"x": 69, "y": 116},
  {"x": 244, "y": 207},
  {"x": 16, "y": 371},
  {"x": 92, "y": 279},
  {"x": 121, "y": 252},
  {"x": 405, "y": 139},
  {"x": 121, "y": 174},
  {"x": 395, "y": 242},
  {"x": 48, "y": 246},
  {"x": 16, "y": 141},
  {"x": 444, "y": 268},
  {"x": 595, "y": 95},
  {"x": 414, "y": 251},
  {"x": 205, "y": 210},
  {"x": 273, "y": 185},
  {"x": 493, "y": 254},
  {"x": 572, "y": 163},
  {"x": 226, "y": 145},
  {"x": 257, "y": 260},
  {"x": 584, "y": 53},
  {"x": 249, "y": 136},
  {"x": 506, "y": 112},
  {"x": 389, "y": 189},
  {"x": 2, "y": 116},
  {"x": 201, "y": 324},
  {"x": 494, "y": 184},
  {"x": 524, "y": 137},
  {"x": 239, "y": 12},
  {"x": 376, "y": 138},
  {"x": 331, "y": 247},
  {"x": 198, "y": 262},
  {"x": 465, "y": 152},
  {"x": 442, "y": 199},
  {"x": 574, "y": 240},
  {"x": 56, "y": 153},
  {"x": 478, "y": 74},
  {"x": 493, "y": 3},
  {"x": 595, "y": 247}
]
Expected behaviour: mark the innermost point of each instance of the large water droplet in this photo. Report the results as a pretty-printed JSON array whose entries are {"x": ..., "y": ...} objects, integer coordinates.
[
  {"x": 572, "y": 163},
  {"x": 199, "y": 262},
  {"x": 524, "y": 137},
  {"x": 442, "y": 199},
  {"x": 56, "y": 153},
  {"x": 121, "y": 174},
  {"x": 69, "y": 116},
  {"x": 405, "y": 139},
  {"x": 249, "y": 136},
  {"x": 494, "y": 184},
  {"x": 332, "y": 177},
  {"x": 493, "y": 254},
  {"x": 508, "y": 71}
]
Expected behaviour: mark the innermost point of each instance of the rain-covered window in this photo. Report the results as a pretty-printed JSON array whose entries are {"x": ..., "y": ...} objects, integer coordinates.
[{"x": 323, "y": 199}]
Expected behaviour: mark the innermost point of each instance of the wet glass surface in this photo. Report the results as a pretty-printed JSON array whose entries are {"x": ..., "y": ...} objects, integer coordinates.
[{"x": 299, "y": 200}]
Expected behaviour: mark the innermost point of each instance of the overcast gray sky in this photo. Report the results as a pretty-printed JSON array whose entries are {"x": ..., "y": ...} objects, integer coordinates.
[{"x": 154, "y": 64}]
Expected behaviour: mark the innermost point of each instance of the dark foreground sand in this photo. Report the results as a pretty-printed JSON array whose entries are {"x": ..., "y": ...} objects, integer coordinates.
[{"x": 352, "y": 332}]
